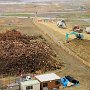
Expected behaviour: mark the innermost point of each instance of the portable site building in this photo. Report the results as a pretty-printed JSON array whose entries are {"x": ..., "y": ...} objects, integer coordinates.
[
  {"x": 30, "y": 85},
  {"x": 48, "y": 81}
]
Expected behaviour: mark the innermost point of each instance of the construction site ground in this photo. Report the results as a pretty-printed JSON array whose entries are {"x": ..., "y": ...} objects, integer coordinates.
[
  {"x": 54, "y": 37},
  {"x": 74, "y": 67},
  {"x": 79, "y": 47}
]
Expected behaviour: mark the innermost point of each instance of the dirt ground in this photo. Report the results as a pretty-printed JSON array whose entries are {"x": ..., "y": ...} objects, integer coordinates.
[
  {"x": 73, "y": 66},
  {"x": 80, "y": 47}
]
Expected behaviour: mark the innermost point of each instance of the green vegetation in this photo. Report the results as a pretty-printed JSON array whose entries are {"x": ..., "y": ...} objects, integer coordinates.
[
  {"x": 86, "y": 15},
  {"x": 76, "y": 19},
  {"x": 17, "y": 14},
  {"x": 67, "y": 15},
  {"x": 81, "y": 23},
  {"x": 4, "y": 28},
  {"x": 74, "y": 15}
]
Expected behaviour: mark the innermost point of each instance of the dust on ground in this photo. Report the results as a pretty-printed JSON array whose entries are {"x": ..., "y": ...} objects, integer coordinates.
[
  {"x": 73, "y": 66},
  {"x": 80, "y": 47}
]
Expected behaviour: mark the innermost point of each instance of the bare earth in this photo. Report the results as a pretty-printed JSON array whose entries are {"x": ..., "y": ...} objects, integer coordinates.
[
  {"x": 80, "y": 47},
  {"x": 73, "y": 66}
]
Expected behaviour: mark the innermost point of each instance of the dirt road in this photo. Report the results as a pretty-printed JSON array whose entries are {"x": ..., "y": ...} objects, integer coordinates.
[{"x": 74, "y": 67}]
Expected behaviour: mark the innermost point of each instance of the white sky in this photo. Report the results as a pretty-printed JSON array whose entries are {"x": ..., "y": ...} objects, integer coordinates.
[{"x": 41, "y": 0}]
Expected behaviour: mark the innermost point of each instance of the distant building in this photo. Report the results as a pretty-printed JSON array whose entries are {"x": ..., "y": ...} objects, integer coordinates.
[
  {"x": 48, "y": 81},
  {"x": 40, "y": 82},
  {"x": 30, "y": 85}
]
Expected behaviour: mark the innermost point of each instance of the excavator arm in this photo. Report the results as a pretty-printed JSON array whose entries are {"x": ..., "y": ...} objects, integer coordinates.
[{"x": 77, "y": 35}]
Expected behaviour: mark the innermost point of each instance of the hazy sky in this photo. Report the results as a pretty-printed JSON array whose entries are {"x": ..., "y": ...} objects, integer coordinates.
[
  {"x": 23, "y": 0},
  {"x": 41, "y": 0},
  {"x": 29, "y": 0},
  {"x": 47, "y": 0}
]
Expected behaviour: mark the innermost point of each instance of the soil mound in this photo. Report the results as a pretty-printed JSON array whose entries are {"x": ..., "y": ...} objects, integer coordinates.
[{"x": 25, "y": 54}]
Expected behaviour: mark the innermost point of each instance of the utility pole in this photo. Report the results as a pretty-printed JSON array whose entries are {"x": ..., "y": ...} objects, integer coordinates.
[{"x": 35, "y": 17}]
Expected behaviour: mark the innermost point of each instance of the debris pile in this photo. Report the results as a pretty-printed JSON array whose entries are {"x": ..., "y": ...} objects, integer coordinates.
[{"x": 25, "y": 54}]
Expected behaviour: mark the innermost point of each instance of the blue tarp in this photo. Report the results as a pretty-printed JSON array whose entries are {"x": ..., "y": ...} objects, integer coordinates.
[{"x": 64, "y": 81}]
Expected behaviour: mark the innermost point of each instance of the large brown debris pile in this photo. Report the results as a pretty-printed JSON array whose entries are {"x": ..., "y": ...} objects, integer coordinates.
[{"x": 25, "y": 54}]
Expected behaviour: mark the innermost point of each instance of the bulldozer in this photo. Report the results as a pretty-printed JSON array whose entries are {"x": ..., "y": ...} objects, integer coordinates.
[
  {"x": 77, "y": 35},
  {"x": 61, "y": 24}
]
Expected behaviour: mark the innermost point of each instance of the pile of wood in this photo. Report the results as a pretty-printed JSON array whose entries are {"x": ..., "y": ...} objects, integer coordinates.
[{"x": 25, "y": 54}]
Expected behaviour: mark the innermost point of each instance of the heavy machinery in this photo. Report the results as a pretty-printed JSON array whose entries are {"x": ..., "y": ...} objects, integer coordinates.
[
  {"x": 87, "y": 30},
  {"x": 77, "y": 35},
  {"x": 77, "y": 28},
  {"x": 61, "y": 24}
]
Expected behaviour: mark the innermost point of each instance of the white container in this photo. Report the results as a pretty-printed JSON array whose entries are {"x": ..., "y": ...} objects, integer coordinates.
[{"x": 87, "y": 30}]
